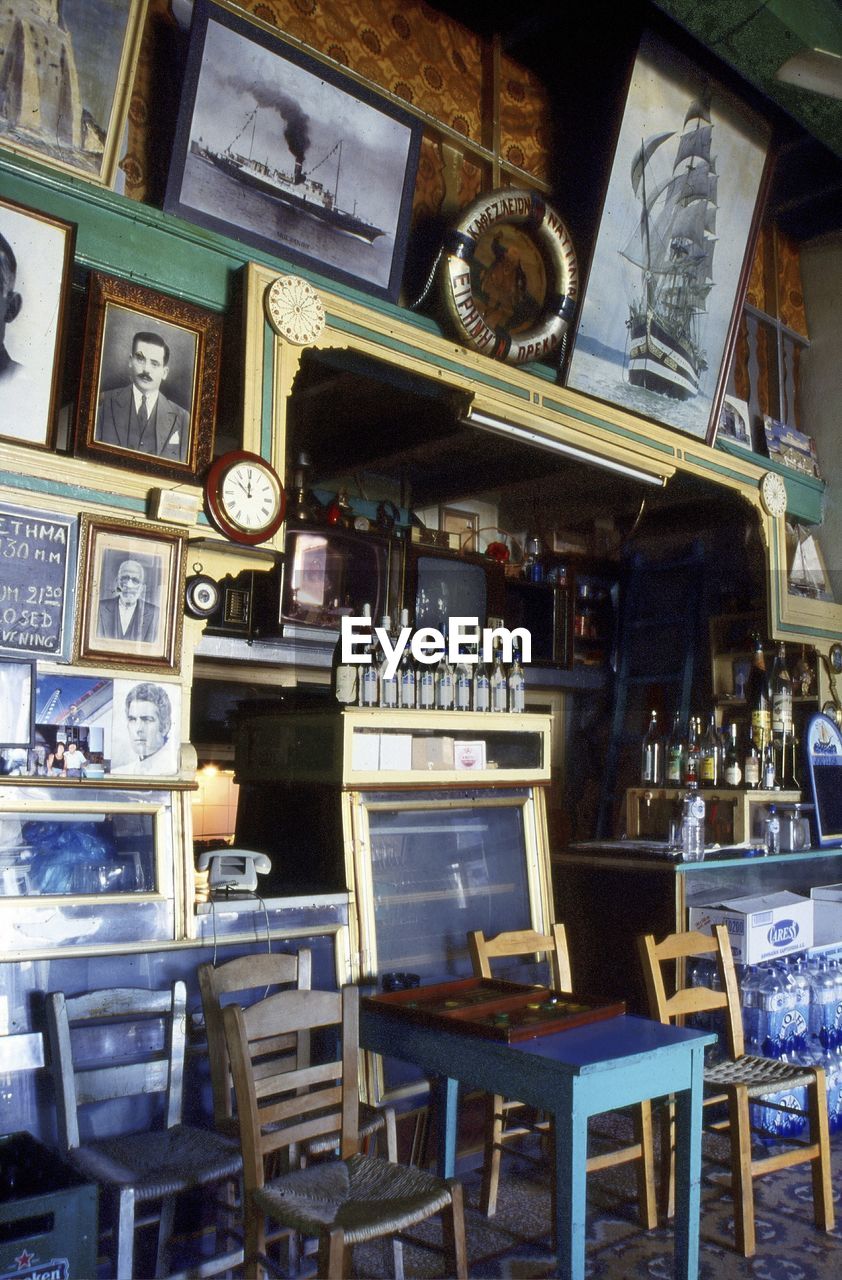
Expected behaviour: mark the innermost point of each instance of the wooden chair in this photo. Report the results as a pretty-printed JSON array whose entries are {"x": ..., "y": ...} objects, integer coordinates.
[
  {"x": 341, "y": 1201},
  {"x": 498, "y": 1130},
  {"x": 739, "y": 1077},
  {"x": 126, "y": 1044}
]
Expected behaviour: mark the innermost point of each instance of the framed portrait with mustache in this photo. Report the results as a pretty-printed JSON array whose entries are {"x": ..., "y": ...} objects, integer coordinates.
[
  {"x": 150, "y": 377},
  {"x": 278, "y": 148}
]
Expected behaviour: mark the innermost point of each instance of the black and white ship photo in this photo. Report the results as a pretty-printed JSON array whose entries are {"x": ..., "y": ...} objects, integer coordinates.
[
  {"x": 272, "y": 151},
  {"x": 663, "y": 284}
]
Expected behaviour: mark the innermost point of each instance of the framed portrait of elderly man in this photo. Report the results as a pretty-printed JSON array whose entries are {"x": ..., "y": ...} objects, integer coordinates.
[
  {"x": 150, "y": 377},
  {"x": 36, "y": 257},
  {"x": 129, "y": 606}
]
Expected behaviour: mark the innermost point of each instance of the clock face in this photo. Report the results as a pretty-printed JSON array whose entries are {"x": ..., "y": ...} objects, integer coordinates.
[
  {"x": 245, "y": 497},
  {"x": 773, "y": 493}
]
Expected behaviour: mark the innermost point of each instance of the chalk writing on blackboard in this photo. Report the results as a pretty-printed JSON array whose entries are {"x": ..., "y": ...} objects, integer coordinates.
[{"x": 37, "y": 554}]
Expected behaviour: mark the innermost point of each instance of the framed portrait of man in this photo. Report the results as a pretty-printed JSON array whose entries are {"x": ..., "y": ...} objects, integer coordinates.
[
  {"x": 149, "y": 380},
  {"x": 129, "y": 611},
  {"x": 146, "y": 729}
]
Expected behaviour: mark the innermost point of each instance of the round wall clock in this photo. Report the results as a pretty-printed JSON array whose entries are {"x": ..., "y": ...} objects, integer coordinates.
[
  {"x": 201, "y": 596},
  {"x": 773, "y": 494},
  {"x": 244, "y": 497},
  {"x": 835, "y": 656},
  {"x": 295, "y": 310},
  {"x": 511, "y": 279}
]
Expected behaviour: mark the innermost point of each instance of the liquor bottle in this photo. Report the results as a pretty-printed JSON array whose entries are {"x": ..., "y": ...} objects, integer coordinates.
[
  {"x": 497, "y": 680},
  {"x": 782, "y": 723},
  {"x": 516, "y": 683},
  {"x": 368, "y": 679},
  {"x": 343, "y": 677},
  {"x": 692, "y": 754},
  {"x": 651, "y": 755},
  {"x": 425, "y": 687},
  {"x": 444, "y": 684},
  {"x": 463, "y": 686},
  {"x": 769, "y": 775},
  {"x": 732, "y": 767},
  {"x": 759, "y": 698},
  {"x": 675, "y": 754},
  {"x": 482, "y": 684},
  {"x": 710, "y": 766},
  {"x": 388, "y": 683},
  {"x": 406, "y": 672},
  {"x": 752, "y": 763}
]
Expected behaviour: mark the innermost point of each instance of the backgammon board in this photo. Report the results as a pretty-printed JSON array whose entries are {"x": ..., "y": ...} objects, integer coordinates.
[{"x": 495, "y": 1009}]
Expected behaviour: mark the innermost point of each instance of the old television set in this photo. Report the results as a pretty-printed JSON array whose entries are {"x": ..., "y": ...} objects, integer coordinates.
[
  {"x": 328, "y": 573},
  {"x": 545, "y": 610},
  {"x": 440, "y": 584}
]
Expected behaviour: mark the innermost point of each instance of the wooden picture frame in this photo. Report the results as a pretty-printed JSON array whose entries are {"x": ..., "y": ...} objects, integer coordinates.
[
  {"x": 137, "y": 340},
  {"x": 143, "y": 567},
  {"x": 735, "y": 422},
  {"x": 658, "y": 318},
  {"x": 17, "y": 704},
  {"x": 36, "y": 260},
  {"x": 277, "y": 148},
  {"x": 80, "y": 73}
]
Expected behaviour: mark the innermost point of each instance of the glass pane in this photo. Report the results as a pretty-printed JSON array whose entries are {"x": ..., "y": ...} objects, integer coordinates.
[{"x": 49, "y": 853}]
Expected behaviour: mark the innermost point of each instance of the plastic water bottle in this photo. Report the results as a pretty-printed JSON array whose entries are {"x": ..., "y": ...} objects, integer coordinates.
[
  {"x": 750, "y": 1000},
  {"x": 798, "y": 1027},
  {"x": 773, "y": 831},
  {"x": 693, "y": 827},
  {"x": 823, "y": 1005}
]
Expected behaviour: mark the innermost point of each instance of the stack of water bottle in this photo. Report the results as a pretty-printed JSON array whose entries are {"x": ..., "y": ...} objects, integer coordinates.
[{"x": 792, "y": 1009}]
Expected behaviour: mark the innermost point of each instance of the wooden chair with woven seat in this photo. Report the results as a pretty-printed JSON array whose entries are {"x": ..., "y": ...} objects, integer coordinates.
[
  {"x": 738, "y": 1078},
  {"x": 128, "y": 1044},
  {"x": 341, "y": 1201},
  {"x": 521, "y": 944}
]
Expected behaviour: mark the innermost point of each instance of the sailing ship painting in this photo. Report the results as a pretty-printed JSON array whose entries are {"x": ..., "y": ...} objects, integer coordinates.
[
  {"x": 656, "y": 324},
  {"x": 278, "y": 150}
]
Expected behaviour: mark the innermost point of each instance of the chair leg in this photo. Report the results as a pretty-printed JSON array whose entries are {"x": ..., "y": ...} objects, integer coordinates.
[
  {"x": 822, "y": 1170},
  {"x": 453, "y": 1230},
  {"x": 124, "y": 1228},
  {"x": 741, "y": 1179},
  {"x": 667, "y": 1157},
  {"x": 491, "y": 1164},
  {"x": 643, "y": 1136},
  {"x": 165, "y": 1227},
  {"x": 392, "y": 1157},
  {"x": 255, "y": 1245},
  {"x": 333, "y": 1255}
]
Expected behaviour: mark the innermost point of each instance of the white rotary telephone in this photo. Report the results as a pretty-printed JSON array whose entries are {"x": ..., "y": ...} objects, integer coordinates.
[{"x": 234, "y": 870}]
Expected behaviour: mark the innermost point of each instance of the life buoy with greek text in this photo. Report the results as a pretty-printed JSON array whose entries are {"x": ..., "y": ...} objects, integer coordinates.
[{"x": 490, "y": 302}]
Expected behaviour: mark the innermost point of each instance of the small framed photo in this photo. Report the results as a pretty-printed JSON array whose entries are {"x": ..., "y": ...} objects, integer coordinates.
[
  {"x": 17, "y": 704},
  {"x": 465, "y": 524},
  {"x": 735, "y": 422},
  {"x": 281, "y": 150},
  {"x": 36, "y": 260},
  {"x": 150, "y": 378},
  {"x": 146, "y": 729},
  {"x": 77, "y": 74},
  {"x": 132, "y": 584}
]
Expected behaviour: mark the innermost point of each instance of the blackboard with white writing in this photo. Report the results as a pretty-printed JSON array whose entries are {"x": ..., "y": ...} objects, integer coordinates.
[{"x": 37, "y": 559}]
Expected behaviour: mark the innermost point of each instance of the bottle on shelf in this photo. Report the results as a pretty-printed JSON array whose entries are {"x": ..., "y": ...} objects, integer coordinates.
[
  {"x": 444, "y": 684},
  {"x": 782, "y": 718},
  {"x": 482, "y": 685},
  {"x": 693, "y": 827},
  {"x": 463, "y": 685},
  {"x": 497, "y": 680},
  {"x": 759, "y": 697},
  {"x": 425, "y": 686},
  {"x": 516, "y": 683},
  {"x": 388, "y": 684},
  {"x": 406, "y": 672},
  {"x": 710, "y": 763},
  {"x": 652, "y": 754},
  {"x": 752, "y": 763},
  {"x": 769, "y": 775},
  {"x": 368, "y": 680},
  {"x": 692, "y": 754},
  {"x": 773, "y": 831},
  {"x": 343, "y": 677},
  {"x": 731, "y": 766},
  {"x": 674, "y": 754}
]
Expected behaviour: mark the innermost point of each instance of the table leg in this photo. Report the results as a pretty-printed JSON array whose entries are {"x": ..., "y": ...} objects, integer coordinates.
[
  {"x": 570, "y": 1189},
  {"x": 445, "y": 1099},
  {"x": 688, "y": 1170}
]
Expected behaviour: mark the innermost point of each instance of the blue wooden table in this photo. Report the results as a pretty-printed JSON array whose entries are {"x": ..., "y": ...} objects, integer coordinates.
[{"x": 573, "y": 1075}]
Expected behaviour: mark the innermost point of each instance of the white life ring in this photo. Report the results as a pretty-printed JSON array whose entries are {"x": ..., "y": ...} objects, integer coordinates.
[{"x": 529, "y": 211}]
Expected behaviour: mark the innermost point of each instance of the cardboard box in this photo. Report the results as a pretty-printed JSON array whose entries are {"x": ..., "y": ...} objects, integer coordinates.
[
  {"x": 827, "y": 914},
  {"x": 432, "y": 753},
  {"x": 396, "y": 751},
  {"x": 365, "y": 752},
  {"x": 760, "y": 927},
  {"x": 469, "y": 755}
]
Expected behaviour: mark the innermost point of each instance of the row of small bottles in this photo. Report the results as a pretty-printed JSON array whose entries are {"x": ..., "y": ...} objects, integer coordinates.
[{"x": 439, "y": 686}]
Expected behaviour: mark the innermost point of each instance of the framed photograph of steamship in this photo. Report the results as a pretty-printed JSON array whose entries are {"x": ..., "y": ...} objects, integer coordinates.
[
  {"x": 150, "y": 376},
  {"x": 670, "y": 263},
  {"x": 281, "y": 150}
]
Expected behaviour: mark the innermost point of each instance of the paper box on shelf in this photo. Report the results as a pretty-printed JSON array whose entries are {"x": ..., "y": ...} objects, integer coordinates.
[
  {"x": 761, "y": 926},
  {"x": 396, "y": 751},
  {"x": 469, "y": 755},
  {"x": 827, "y": 914},
  {"x": 432, "y": 753}
]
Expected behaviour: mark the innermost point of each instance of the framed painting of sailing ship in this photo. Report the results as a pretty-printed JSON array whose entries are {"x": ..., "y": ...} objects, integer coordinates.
[
  {"x": 670, "y": 263},
  {"x": 282, "y": 151}
]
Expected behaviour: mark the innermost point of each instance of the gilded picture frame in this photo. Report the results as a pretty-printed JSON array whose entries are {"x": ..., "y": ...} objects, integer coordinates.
[
  {"x": 67, "y": 107},
  {"x": 657, "y": 322},
  {"x": 144, "y": 346},
  {"x": 129, "y": 612}
]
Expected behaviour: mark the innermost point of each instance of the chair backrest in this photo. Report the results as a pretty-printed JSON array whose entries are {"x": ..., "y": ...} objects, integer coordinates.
[
  {"x": 279, "y": 1110},
  {"x": 523, "y": 943},
  {"x": 233, "y": 982},
  {"x": 116, "y": 1044},
  {"x": 671, "y": 1001}
]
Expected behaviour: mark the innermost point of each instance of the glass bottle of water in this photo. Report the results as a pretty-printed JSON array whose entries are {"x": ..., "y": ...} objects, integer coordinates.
[
  {"x": 406, "y": 671},
  {"x": 693, "y": 827}
]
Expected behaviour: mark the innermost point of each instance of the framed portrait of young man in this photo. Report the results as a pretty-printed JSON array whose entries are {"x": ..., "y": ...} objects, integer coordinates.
[
  {"x": 36, "y": 259},
  {"x": 130, "y": 604},
  {"x": 150, "y": 378}
]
